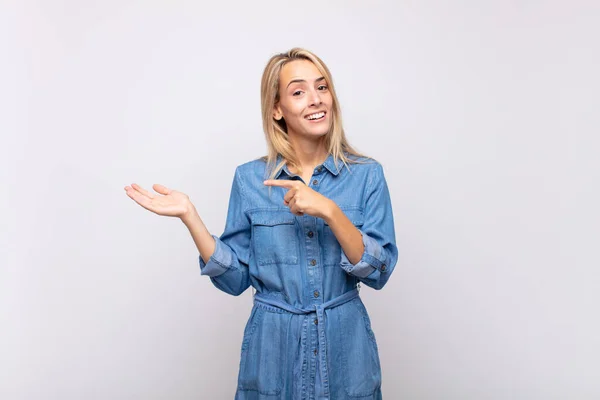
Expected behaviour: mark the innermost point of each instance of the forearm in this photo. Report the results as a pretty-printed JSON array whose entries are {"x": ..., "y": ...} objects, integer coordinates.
[
  {"x": 346, "y": 233},
  {"x": 201, "y": 236},
  {"x": 362, "y": 255}
]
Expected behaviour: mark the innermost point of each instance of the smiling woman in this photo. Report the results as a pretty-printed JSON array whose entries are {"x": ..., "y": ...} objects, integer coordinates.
[
  {"x": 300, "y": 92},
  {"x": 306, "y": 224}
]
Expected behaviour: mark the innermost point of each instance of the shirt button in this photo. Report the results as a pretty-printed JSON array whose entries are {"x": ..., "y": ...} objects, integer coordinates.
[
  {"x": 313, "y": 262},
  {"x": 315, "y": 182},
  {"x": 320, "y": 169},
  {"x": 310, "y": 234},
  {"x": 316, "y": 293},
  {"x": 383, "y": 267},
  {"x": 316, "y": 321},
  {"x": 315, "y": 352}
]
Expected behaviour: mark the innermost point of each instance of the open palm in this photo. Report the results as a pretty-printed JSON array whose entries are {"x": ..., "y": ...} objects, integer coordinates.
[{"x": 168, "y": 202}]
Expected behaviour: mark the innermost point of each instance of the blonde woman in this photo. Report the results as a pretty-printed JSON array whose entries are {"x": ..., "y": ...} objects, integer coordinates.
[{"x": 305, "y": 226}]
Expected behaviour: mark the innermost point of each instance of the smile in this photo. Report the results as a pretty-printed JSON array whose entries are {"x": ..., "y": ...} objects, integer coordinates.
[{"x": 316, "y": 116}]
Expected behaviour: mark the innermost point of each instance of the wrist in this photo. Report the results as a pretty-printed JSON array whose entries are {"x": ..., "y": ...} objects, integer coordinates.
[
  {"x": 330, "y": 211},
  {"x": 189, "y": 215}
]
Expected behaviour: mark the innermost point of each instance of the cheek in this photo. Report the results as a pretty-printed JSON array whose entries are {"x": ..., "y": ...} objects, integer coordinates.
[
  {"x": 293, "y": 112},
  {"x": 328, "y": 100}
]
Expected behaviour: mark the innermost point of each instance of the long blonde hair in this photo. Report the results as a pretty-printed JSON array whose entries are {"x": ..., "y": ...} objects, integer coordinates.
[{"x": 276, "y": 131}]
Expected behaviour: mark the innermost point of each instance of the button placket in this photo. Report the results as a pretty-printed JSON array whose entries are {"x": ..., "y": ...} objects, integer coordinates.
[
  {"x": 322, "y": 343},
  {"x": 312, "y": 252}
]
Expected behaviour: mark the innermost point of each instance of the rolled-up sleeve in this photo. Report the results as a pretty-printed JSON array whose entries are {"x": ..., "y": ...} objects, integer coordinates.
[
  {"x": 228, "y": 265},
  {"x": 380, "y": 252}
]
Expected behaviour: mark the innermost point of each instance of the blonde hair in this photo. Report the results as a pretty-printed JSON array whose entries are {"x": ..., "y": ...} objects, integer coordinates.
[{"x": 276, "y": 131}]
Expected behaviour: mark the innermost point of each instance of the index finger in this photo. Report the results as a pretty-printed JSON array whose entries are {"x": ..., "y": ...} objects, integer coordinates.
[{"x": 281, "y": 183}]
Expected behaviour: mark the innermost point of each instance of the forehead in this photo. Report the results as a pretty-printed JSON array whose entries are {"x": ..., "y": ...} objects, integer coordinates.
[{"x": 298, "y": 69}]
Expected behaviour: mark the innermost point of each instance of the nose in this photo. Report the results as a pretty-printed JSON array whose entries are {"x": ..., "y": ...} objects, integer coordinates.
[{"x": 315, "y": 98}]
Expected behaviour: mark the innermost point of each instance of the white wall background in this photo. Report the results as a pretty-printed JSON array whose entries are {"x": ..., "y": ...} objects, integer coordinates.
[{"x": 483, "y": 113}]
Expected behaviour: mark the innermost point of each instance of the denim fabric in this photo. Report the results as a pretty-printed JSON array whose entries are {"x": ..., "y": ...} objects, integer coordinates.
[{"x": 309, "y": 334}]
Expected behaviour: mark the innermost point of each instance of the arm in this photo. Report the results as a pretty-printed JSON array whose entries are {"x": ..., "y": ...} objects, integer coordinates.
[
  {"x": 225, "y": 259},
  {"x": 201, "y": 236},
  {"x": 369, "y": 253}
]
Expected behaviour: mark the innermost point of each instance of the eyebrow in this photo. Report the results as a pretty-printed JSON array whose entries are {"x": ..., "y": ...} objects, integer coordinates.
[{"x": 303, "y": 80}]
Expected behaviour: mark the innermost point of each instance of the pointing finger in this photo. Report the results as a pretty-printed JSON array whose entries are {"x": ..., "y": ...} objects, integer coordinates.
[{"x": 281, "y": 183}]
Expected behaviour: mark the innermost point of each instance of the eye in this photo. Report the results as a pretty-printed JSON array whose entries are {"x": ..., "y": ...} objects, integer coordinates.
[
  {"x": 323, "y": 87},
  {"x": 297, "y": 93}
]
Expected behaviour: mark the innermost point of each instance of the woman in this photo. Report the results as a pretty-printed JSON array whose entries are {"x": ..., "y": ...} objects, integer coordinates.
[{"x": 305, "y": 225}]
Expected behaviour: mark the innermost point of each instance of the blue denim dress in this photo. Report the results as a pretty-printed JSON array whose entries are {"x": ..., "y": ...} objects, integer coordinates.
[{"x": 309, "y": 335}]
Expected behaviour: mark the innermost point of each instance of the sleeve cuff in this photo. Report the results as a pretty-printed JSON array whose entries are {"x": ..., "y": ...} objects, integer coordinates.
[
  {"x": 373, "y": 258},
  {"x": 218, "y": 263}
]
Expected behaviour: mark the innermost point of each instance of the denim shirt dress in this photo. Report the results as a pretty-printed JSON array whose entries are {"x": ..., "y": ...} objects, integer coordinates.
[{"x": 308, "y": 335}]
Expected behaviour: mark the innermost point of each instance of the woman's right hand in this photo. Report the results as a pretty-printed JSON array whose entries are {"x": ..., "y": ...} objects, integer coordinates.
[{"x": 169, "y": 203}]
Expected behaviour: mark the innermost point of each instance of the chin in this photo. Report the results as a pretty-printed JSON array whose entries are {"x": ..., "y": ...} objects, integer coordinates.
[{"x": 319, "y": 133}]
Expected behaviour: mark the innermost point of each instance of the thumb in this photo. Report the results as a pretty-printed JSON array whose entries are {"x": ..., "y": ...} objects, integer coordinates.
[{"x": 161, "y": 189}]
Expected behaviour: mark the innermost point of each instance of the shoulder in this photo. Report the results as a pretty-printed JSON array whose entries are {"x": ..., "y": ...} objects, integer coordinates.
[
  {"x": 252, "y": 166},
  {"x": 364, "y": 163},
  {"x": 368, "y": 169},
  {"x": 251, "y": 173}
]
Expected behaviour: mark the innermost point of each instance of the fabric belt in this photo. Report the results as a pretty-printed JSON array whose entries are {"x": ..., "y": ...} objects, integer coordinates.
[
  {"x": 344, "y": 298},
  {"x": 319, "y": 309}
]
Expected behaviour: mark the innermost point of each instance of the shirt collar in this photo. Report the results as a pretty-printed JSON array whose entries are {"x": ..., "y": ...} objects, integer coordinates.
[{"x": 329, "y": 164}]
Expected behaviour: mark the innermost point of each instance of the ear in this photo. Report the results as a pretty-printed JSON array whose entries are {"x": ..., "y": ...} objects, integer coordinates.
[{"x": 277, "y": 114}]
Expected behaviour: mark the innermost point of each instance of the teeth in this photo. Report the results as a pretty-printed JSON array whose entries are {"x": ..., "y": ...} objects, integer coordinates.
[{"x": 316, "y": 116}]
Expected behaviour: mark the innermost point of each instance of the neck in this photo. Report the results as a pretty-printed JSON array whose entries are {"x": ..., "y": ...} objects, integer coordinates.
[{"x": 310, "y": 153}]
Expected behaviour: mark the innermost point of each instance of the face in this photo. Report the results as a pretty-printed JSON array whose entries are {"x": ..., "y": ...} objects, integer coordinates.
[{"x": 304, "y": 100}]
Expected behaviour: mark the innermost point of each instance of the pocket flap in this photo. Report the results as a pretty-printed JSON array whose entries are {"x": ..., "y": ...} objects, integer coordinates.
[{"x": 271, "y": 218}]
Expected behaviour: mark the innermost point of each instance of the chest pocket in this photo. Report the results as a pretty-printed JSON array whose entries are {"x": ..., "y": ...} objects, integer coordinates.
[
  {"x": 274, "y": 237},
  {"x": 331, "y": 247}
]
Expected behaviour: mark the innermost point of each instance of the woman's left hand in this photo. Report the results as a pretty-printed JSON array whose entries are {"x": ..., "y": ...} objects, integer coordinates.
[{"x": 303, "y": 200}]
